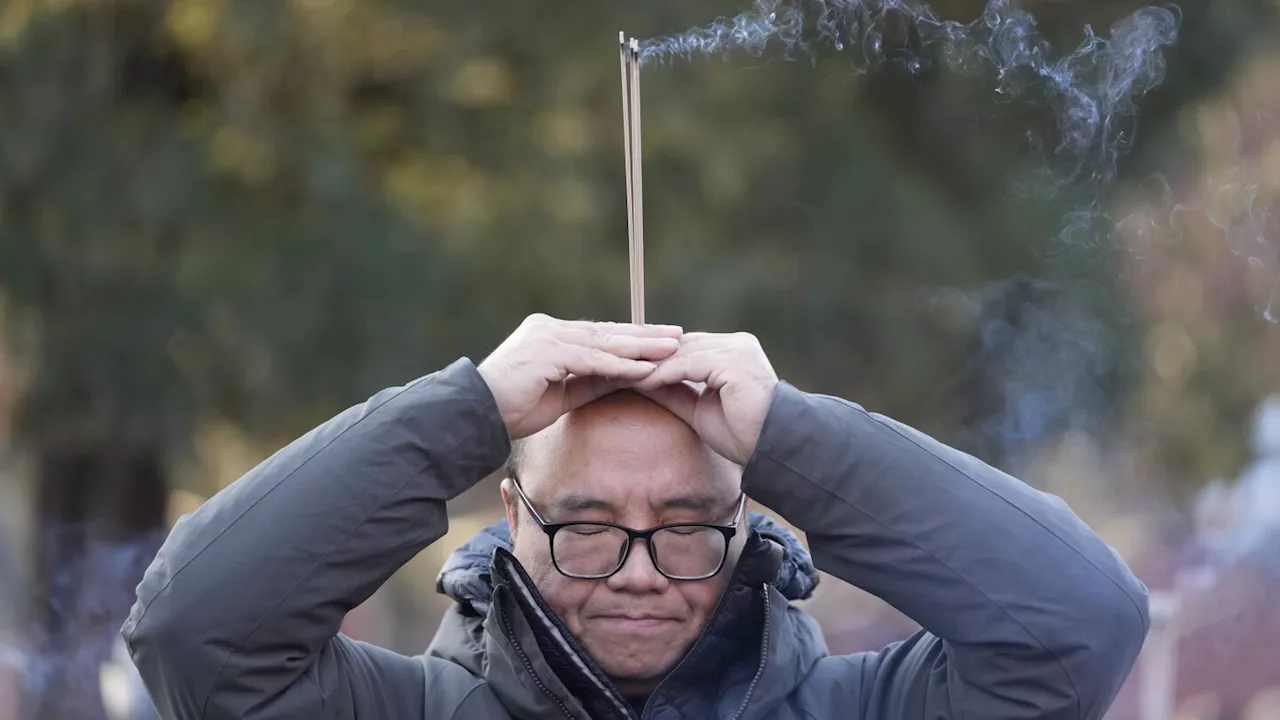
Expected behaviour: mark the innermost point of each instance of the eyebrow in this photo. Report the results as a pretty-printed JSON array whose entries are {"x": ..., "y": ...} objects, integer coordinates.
[
  {"x": 697, "y": 502},
  {"x": 576, "y": 502}
]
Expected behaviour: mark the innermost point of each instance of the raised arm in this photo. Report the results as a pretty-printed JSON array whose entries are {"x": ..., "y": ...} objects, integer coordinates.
[
  {"x": 238, "y": 615},
  {"x": 1027, "y": 612}
]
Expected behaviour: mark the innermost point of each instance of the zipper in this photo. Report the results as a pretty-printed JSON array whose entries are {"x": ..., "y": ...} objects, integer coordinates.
[
  {"x": 714, "y": 612},
  {"x": 565, "y": 638},
  {"x": 524, "y": 658},
  {"x": 764, "y": 656},
  {"x": 737, "y": 573}
]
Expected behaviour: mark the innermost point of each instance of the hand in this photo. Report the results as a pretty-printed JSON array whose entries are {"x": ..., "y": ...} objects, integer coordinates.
[
  {"x": 548, "y": 367},
  {"x": 728, "y": 412}
]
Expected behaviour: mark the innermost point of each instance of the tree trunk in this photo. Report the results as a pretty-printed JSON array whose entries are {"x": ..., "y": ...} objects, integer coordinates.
[{"x": 100, "y": 515}]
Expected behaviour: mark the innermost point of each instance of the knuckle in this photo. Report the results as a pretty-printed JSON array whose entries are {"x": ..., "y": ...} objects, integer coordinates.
[{"x": 544, "y": 343}]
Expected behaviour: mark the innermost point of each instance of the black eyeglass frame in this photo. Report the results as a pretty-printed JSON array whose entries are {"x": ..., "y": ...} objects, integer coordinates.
[{"x": 729, "y": 531}]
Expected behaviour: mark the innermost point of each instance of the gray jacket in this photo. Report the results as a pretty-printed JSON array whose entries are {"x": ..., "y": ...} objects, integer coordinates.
[{"x": 1026, "y": 612}]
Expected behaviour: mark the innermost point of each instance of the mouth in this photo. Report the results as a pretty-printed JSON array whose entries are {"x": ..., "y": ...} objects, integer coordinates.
[{"x": 635, "y": 623}]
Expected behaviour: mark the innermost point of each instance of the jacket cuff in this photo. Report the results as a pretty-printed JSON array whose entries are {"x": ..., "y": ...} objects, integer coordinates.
[{"x": 454, "y": 412}]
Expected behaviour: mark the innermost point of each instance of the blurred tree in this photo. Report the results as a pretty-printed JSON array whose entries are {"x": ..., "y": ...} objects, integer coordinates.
[{"x": 222, "y": 209}]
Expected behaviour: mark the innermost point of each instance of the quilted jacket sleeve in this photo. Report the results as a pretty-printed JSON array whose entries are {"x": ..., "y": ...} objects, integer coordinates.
[
  {"x": 1026, "y": 612},
  {"x": 238, "y": 617}
]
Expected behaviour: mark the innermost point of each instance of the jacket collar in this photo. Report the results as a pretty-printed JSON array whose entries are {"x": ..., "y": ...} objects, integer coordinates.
[{"x": 539, "y": 669}]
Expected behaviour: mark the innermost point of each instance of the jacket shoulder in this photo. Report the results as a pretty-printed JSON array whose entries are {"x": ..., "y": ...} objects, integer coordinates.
[{"x": 450, "y": 691}]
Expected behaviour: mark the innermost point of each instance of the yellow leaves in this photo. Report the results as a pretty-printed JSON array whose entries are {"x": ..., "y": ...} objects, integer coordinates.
[
  {"x": 233, "y": 151},
  {"x": 445, "y": 193},
  {"x": 377, "y": 127},
  {"x": 409, "y": 183},
  {"x": 401, "y": 43},
  {"x": 482, "y": 82},
  {"x": 362, "y": 39},
  {"x": 194, "y": 24},
  {"x": 564, "y": 131},
  {"x": 181, "y": 502},
  {"x": 221, "y": 452},
  {"x": 14, "y": 17}
]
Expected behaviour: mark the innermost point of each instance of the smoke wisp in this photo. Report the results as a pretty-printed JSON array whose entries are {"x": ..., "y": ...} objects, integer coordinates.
[
  {"x": 1236, "y": 215},
  {"x": 1241, "y": 521},
  {"x": 1041, "y": 365},
  {"x": 1090, "y": 90},
  {"x": 68, "y": 661}
]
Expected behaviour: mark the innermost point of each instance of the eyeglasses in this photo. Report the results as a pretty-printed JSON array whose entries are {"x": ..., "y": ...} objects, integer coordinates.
[{"x": 597, "y": 550}]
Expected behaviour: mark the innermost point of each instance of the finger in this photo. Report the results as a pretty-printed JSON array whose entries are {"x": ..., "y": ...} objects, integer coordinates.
[
  {"x": 580, "y": 390},
  {"x": 631, "y": 329},
  {"x": 699, "y": 338},
  {"x": 621, "y": 344},
  {"x": 706, "y": 338},
  {"x": 680, "y": 399},
  {"x": 586, "y": 361},
  {"x": 688, "y": 364}
]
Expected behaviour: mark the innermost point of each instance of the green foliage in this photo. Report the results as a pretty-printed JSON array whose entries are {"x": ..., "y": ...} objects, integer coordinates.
[{"x": 265, "y": 210}]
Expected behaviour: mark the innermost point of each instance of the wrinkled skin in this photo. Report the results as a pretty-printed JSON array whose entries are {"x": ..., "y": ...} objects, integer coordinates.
[{"x": 627, "y": 451}]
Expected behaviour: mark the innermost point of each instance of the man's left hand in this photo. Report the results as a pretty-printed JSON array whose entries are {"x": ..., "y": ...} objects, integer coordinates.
[{"x": 729, "y": 410}]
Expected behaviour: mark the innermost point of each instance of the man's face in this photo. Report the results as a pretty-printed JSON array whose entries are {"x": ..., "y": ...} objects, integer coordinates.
[{"x": 626, "y": 460}]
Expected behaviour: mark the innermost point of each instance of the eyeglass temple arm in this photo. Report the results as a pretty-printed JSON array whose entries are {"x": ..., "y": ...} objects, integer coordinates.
[{"x": 525, "y": 499}]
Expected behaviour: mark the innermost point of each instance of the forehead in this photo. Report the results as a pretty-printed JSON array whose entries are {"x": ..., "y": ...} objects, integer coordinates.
[{"x": 627, "y": 451}]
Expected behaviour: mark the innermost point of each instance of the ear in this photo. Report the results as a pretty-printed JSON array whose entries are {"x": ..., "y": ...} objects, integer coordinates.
[{"x": 510, "y": 505}]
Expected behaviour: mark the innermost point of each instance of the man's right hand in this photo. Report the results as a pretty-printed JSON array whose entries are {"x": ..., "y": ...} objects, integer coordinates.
[{"x": 548, "y": 367}]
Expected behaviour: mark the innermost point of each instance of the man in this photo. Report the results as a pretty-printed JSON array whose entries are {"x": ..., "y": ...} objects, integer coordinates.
[{"x": 635, "y": 586}]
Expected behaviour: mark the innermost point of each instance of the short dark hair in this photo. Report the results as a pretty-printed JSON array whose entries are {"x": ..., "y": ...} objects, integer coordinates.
[{"x": 511, "y": 468}]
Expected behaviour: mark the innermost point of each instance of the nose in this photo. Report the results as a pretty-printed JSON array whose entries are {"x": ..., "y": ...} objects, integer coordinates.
[{"x": 638, "y": 574}]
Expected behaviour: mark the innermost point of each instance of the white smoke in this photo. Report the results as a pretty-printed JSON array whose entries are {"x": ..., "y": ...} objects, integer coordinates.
[
  {"x": 1091, "y": 90},
  {"x": 1241, "y": 521}
]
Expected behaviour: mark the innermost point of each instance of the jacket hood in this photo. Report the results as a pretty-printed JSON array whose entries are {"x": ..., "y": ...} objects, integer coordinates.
[{"x": 466, "y": 576}]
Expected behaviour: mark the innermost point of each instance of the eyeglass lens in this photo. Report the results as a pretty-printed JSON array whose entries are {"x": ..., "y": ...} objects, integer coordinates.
[{"x": 681, "y": 552}]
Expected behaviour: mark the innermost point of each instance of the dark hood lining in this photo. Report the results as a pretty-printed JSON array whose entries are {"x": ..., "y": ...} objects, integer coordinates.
[
  {"x": 566, "y": 658},
  {"x": 733, "y": 631}
]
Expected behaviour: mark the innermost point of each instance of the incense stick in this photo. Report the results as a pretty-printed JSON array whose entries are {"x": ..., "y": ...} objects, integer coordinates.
[
  {"x": 629, "y": 54},
  {"x": 624, "y": 58},
  {"x": 638, "y": 179}
]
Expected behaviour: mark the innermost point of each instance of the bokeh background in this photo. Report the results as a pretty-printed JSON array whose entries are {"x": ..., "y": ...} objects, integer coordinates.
[{"x": 222, "y": 221}]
